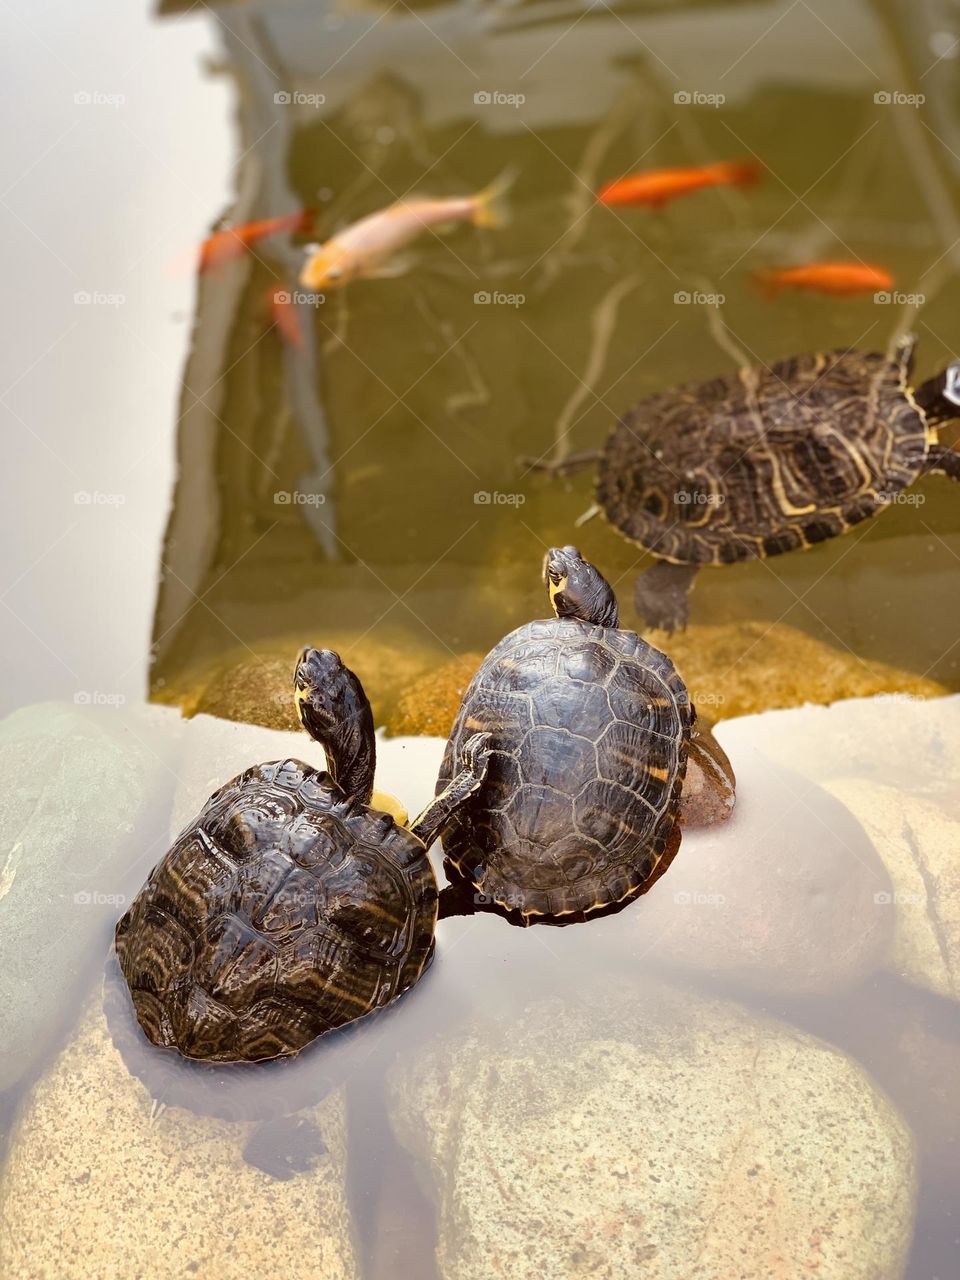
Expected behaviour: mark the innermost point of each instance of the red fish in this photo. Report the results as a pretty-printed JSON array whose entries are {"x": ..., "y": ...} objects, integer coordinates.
[
  {"x": 230, "y": 243},
  {"x": 284, "y": 314},
  {"x": 655, "y": 187},
  {"x": 841, "y": 279}
]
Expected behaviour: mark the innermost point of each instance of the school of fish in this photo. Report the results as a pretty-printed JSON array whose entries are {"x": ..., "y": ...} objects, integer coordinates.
[{"x": 375, "y": 245}]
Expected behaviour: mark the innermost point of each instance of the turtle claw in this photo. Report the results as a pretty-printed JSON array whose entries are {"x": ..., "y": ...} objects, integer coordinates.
[{"x": 475, "y": 754}]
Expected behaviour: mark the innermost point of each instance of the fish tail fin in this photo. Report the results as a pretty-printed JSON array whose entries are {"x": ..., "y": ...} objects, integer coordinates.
[
  {"x": 306, "y": 222},
  {"x": 491, "y": 208},
  {"x": 768, "y": 282},
  {"x": 744, "y": 173}
]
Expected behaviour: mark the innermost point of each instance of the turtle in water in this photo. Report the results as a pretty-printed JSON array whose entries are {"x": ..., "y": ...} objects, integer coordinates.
[
  {"x": 289, "y": 906},
  {"x": 768, "y": 460},
  {"x": 590, "y": 732}
]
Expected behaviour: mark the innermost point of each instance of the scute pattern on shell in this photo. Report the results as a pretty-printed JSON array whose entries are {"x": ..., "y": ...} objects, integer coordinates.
[
  {"x": 590, "y": 730},
  {"x": 765, "y": 461},
  {"x": 285, "y": 910}
]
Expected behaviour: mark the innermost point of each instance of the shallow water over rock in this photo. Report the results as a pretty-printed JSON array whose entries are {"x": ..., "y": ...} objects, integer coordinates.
[{"x": 711, "y": 1054}]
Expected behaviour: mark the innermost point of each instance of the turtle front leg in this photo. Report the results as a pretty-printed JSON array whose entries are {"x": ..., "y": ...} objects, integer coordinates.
[
  {"x": 944, "y": 460},
  {"x": 662, "y": 595},
  {"x": 474, "y": 761}
]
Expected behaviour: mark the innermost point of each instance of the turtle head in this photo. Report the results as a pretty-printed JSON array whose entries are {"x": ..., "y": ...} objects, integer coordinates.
[
  {"x": 577, "y": 589},
  {"x": 939, "y": 398},
  {"x": 334, "y": 710}
]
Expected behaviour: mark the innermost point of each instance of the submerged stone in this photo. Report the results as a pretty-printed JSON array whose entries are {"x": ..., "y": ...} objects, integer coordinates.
[
  {"x": 616, "y": 1135},
  {"x": 84, "y": 794},
  {"x": 429, "y": 706},
  {"x": 918, "y": 840},
  {"x": 102, "y": 1182},
  {"x": 730, "y": 669},
  {"x": 255, "y": 685},
  {"x": 784, "y": 896}
]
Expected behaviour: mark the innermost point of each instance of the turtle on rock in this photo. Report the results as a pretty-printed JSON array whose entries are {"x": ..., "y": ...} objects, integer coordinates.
[
  {"x": 769, "y": 460},
  {"x": 290, "y": 906},
  {"x": 591, "y": 735}
]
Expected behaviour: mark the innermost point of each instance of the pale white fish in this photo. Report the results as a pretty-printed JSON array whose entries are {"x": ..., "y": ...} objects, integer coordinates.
[{"x": 366, "y": 247}]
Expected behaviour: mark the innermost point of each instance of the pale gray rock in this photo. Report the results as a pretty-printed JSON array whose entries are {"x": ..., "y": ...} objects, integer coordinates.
[{"x": 655, "y": 1135}]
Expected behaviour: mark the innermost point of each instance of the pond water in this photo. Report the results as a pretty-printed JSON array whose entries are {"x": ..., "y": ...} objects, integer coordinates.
[{"x": 203, "y": 494}]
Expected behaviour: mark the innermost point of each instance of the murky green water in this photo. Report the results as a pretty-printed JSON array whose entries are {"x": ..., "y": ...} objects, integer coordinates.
[
  {"x": 194, "y": 491},
  {"x": 413, "y": 398}
]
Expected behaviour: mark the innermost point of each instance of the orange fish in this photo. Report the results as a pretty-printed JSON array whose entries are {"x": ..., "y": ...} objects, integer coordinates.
[
  {"x": 230, "y": 243},
  {"x": 366, "y": 247},
  {"x": 655, "y": 187},
  {"x": 841, "y": 279},
  {"x": 284, "y": 314}
]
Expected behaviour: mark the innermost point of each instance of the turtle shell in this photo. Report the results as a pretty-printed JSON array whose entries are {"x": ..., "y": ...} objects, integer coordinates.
[
  {"x": 590, "y": 727},
  {"x": 285, "y": 910},
  {"x": 766, "y": 460}
]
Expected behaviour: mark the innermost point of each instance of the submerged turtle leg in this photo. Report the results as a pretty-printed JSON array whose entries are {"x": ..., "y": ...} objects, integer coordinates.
[
  {"x": 559, "y": 466},
  {"x": 474, "y": 758},
  {"x": 945, "y": 460},
  {"x": 709, "y": 789},
  {"x": 661, "y": 594}
]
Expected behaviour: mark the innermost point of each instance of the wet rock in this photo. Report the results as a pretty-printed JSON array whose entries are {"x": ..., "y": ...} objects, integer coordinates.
[
  {"x": 91, "y": 1151},
  {"x": 214, "y": 751},
  {"x": 898, "y": 740},
  {"x": 736, "y": 669},
  {"x": 918, "y": 840},
  {"x": 429, "y": 706},
  {"x": 784, "y": 896},
  {"x": 84, "y": 793},
  {"x": 655, "y": 1134}
]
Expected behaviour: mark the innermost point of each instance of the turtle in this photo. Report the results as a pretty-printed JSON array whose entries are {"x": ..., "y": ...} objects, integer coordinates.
[
  {"x": 590, "y": 732},
  {"x": 289, "y": 906},
  {"x": 768, "y": 460}
]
